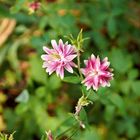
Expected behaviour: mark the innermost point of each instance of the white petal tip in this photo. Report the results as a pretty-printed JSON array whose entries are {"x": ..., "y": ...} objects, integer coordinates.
[
  {"x": 41, "y": 56},
  {"x": 44, "y": 47},
  {"x": 92, "y": 56}
]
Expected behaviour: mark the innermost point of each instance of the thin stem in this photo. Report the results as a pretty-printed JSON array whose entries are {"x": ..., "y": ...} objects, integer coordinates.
[
  {"x": 76, "y": 73},
  {"x": 69, "y": 129},
  {"x": 74, "y": 132},
  {"x": 78, "y": 62},
  {"x": 88, "y": 94}
]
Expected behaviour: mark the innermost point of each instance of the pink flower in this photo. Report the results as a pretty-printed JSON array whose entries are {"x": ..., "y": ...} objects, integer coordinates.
[
  {"x": 59, "y": 58},
  {"x": 34, "y": 5},
  {"x": 97, "y": 73}
]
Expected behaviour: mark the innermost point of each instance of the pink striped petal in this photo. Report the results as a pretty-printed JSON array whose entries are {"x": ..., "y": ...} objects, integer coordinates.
[
  {"x": 61, "y": 45},
  {"x": 44, "y": 57},
  {"x": 47, "y": 50},
  {"x": 68, "y": 68},
  {"x": 97, "y": 63},
  {"x": 61, "y": 72},
  {"x": 73, "y": 64},
  {"x": 54, "y": 45},
  {"x": 70, "y": 57},
  {"x": 105, "y": 64}
]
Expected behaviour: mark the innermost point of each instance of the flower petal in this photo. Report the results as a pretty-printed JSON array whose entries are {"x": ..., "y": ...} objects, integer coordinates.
[
  {"x": 70, "y": 57},
  {"x": 105, "y": 64},
  {"x": 54, "y": 45},
  {"x": 61, "y": 46},
  {"x": 96, "y": 81},
  {"x": 45, "y": 64},
  {"x": 44, "y": 57},
  {"x": 61, "y": 73},
  {"x": 51, "y": 69},
  {"x": 47, "y": 50},
  {"x": 97, "y": 63},
  {"x": 73, "y": 64},
  {"x": 68, "y": 68}
]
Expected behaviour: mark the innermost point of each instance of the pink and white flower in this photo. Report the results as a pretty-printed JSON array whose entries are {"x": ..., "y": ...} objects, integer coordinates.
[
  {"x": 34, "y": 5},
  {"x": 97, "y": 73},
  {"x": 59, "y": 58}
]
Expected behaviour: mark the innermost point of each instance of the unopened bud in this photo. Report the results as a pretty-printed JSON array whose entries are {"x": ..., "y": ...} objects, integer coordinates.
[
  {"x": 34, "y": 6},
  {"x": 49, "y": 135}
]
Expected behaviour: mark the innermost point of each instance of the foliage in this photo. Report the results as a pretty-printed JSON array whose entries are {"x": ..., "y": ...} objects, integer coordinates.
[
  {"x": 36, "y": 102},
  {"x": 6, "y": 137}
]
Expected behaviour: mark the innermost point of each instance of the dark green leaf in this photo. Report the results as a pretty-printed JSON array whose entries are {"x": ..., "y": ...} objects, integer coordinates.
[
  {"x": 72, "y": 79},
  {"x": 112, "y": 27},
  {"x": 136, "y": 87}
]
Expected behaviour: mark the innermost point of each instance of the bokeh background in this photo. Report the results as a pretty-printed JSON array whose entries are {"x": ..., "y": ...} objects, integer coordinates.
[{"x": 32, "y": 102}]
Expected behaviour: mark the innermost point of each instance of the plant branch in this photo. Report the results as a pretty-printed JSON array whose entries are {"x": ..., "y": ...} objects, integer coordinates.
[{"x": 78, "y": 63}]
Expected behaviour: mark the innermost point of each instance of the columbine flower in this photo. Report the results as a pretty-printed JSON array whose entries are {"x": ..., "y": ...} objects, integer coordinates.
[
  {"x": 97, "y": 73},
  {"x": 59, "y": 58}
]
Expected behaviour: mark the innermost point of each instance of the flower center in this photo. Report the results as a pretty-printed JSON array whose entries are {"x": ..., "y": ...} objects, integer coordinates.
[
  {"x": 94, "y": 72},
  {"x": 56, "y": 56}
]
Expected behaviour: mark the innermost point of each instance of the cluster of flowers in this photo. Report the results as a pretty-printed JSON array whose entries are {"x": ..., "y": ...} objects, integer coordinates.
[{"x": 96, "y": 72}]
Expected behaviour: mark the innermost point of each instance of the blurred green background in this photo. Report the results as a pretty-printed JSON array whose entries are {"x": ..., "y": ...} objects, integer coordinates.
[{"x": 32, "y": 102}]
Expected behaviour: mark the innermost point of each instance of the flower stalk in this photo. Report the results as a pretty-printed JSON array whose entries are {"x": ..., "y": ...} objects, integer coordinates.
[
  {"x": 95, "y": 74},
  {"x": 79, "y": 63}
]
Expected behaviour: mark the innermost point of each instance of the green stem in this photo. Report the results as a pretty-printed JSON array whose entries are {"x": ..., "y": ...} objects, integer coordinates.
[
  {"x": 74, "y": 127},
  {"x": 88, "y": 94},
  {"x": 78, "y": 62}
]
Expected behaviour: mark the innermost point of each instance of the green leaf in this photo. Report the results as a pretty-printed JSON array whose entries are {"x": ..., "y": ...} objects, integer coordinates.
[
  {"x": 83, "y": 116},
  {"x": 117, "y": 11},
  {"x": 37, "y": 41},
  {"x": 112, "y": 27},
  {"x": 125, "y": 86},
  {"x": 40, "y": 92},
  {"x": 120, "y": 60},
  {"x": 12, "y": 57},
  {"x": 136, "y": 87},
  {"x": 17, "y": 6},
  {"x": 4, "y": 11},
  {"x": 37, "y": 72},
  {"x": 3, "y": 52},
  {"x": 21, "y": 108},
  {"x": 117, "y": 100},
  {"x": 94, "y": 97},
  {"x": 44, "y": 137},
  {"x": 131, "y": 129},
  {"x": 100, "y": 40},
  {"x": 23, "y": 97},
  {"x": 91, "y": 134},
  {"x": 133, "y": 74},
  {"x": 55, "y": 82},
  {"x": 109, "y": 112},
  {"x": 72, "y": 79}
]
